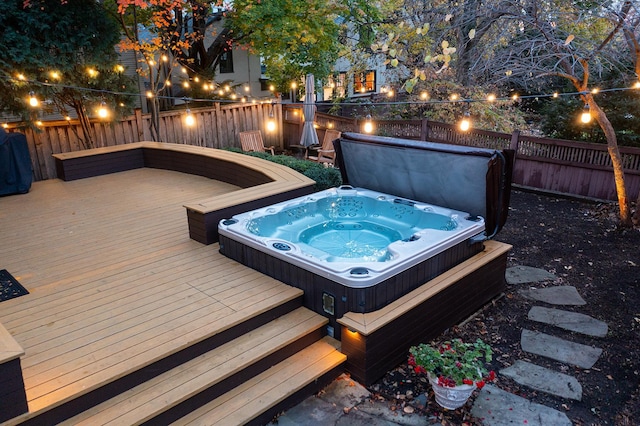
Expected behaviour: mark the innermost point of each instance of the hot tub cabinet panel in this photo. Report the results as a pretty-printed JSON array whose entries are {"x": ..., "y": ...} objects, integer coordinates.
[{"x": 347, "y": 299}]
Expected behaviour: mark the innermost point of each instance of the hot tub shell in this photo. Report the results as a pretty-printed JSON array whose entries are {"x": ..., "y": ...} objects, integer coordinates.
[{"x": 472, "y": 180}]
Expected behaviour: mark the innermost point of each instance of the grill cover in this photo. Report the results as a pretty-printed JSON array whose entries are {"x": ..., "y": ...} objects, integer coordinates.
[
  {"x": 474, "y": 180},
  {"x": 15, "y": 164}
]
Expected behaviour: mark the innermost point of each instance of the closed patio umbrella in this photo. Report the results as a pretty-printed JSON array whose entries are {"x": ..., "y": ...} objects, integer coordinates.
[{"x": 309, "y": 135}]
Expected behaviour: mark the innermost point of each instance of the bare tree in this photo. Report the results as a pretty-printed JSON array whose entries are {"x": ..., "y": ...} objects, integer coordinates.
[{"x": 579, "y": 43}]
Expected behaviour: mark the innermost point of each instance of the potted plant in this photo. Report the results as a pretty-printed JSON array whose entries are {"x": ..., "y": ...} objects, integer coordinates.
[{"x": 454, "y": 369}]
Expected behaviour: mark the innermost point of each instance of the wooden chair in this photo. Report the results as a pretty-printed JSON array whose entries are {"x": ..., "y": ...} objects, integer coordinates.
[
  {"x": 326, "y": 153},
  {"x": 251, "y": 141}
]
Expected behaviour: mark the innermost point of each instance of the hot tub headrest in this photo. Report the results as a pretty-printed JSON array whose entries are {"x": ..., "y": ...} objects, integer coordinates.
[{"x": 475, "y": 180}]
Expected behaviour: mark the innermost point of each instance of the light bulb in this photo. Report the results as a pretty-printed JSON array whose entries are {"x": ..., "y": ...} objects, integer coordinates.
[
  {"x": 424, "y": 96},
  {"x": 33, "y": 101},
  {"x": 189, "y": 119},
  {"x": 465, "y": 123},
  {"x": 585, "y": 117},
  {"x": 271, "y": 125},
  {"x": 103, "y": 112},
  {"x": 368, "y": 125},
  {"x": 491, "y": 97}
]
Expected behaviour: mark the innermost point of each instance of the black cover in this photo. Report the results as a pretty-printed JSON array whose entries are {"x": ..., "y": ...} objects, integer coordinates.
[
  {"x": 15, "y": 164},
  {"x": 473, "y": 180}
]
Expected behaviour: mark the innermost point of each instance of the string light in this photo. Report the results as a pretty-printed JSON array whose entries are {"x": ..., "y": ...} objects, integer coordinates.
[
  {"x": 368, "y": 125},
  {"x": 585, "y": 117},
  {"x": 271, "y": 123},
  {"x": 465, "y": 123},
  {"x": 103, "y": 112},
  {"x": 189, "y": 118},
  {"x": 423, "y": 97},
  {"x": 33, "y": 101}
]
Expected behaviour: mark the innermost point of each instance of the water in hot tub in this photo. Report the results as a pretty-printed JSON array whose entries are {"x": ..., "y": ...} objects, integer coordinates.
[{"x": 350, "y": 226}]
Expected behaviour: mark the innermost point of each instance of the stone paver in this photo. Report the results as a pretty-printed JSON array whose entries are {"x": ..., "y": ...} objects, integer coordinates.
[
  {"x": 559, "y": 349},
  {"x": 527, "y": 274},
  {"x": 559, "y": 295},
  {"x": 544, "y": 380},
  {"x": 571, "y": 321},
  {"x": 345, "y": 402},
  {"x": 495, "y": 407}
]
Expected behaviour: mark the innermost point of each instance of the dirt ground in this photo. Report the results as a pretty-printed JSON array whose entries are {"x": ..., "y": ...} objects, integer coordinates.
[{"x": 582, "y": 245}]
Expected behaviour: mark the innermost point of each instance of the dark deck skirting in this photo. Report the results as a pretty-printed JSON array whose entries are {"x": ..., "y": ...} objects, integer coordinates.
[{"x": 263, "y": 182}]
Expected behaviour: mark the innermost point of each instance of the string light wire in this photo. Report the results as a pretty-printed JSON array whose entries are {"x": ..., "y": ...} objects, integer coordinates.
[{"x": 428, "y": 101}]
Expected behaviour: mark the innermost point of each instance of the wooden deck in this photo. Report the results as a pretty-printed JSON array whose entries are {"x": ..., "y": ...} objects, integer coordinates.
[{"x": 114, "y": 279}]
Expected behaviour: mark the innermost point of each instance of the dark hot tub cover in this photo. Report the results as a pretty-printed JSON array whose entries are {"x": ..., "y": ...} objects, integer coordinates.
[
  {"x": 474, "y": 180},
  {"x": 15, "y": 164}
]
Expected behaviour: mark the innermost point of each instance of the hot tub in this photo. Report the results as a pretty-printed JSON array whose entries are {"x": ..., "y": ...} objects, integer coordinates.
[
  {"x": 353, "y": 236},
  {"x": 408, "y": 212}
]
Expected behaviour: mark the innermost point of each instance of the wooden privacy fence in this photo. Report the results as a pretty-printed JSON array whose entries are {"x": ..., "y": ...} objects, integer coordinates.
[
  {"x": 215, "y": 127},
  {"x": 568, "y": 167}
]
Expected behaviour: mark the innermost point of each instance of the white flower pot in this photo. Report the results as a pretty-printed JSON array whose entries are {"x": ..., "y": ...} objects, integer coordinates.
[{"x": 450, "y": 398}]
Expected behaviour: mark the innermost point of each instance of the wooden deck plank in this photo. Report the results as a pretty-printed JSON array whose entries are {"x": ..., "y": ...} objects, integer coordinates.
[{"x": 115, "y": 281}]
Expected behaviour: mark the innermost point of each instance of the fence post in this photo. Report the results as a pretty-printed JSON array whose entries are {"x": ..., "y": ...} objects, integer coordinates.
[
  {"x": 515, "y": 140},
  {"x": 424, "y": 129},
  {"x": 139, "y": 124}
]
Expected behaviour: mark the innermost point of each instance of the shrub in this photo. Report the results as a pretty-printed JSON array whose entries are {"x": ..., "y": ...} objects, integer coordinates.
[{"x": 325, "y": 177}]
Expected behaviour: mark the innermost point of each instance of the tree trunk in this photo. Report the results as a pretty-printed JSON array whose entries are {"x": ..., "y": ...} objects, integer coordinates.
[
  {"x": 85, "y": 124},
  {"x": 154, "y": 123},
  {"x": 616, "y": 160}
]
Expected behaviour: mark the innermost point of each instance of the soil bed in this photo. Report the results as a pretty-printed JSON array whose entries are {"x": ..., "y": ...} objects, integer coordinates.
[{"x": 582, "y": 245}]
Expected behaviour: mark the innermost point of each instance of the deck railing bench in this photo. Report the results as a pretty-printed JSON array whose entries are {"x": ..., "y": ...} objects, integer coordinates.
[{"x": 262, "y": 182}]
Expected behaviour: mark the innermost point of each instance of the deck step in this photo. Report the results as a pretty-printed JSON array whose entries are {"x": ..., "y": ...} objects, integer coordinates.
[
  {"x": 185, "y": 387},
  {"x": 257, "y": 401}
]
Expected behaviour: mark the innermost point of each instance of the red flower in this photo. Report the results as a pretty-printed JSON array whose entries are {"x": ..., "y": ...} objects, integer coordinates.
[
  {"x": 492, "y": 375},
  {"x": 467, "y": 381},
  {"x": 418, "y": 369},
  {"x": 412, "y": 361},
  {"x": 480, "y": 384}
]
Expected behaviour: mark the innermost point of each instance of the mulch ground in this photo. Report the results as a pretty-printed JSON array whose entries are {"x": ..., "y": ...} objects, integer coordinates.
[{"x": 581, "y": 243}]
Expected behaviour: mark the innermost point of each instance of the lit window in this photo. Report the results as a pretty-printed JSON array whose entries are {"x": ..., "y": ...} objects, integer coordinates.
[{"x": 365, "y": 82}]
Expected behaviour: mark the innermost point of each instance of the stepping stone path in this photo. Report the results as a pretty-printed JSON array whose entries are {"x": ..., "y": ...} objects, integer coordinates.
[
  {"x": 572, "y": 321},
  {"x": 496, "y": 407},
  {"x": 582, "y": 356},
  {"x": 563, "y": 295},
  {"x": 527, "y": 274},
  {"x": 544, "y": 380}
]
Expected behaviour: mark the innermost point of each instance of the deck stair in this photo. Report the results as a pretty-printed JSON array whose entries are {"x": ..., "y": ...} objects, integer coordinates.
[{"x": 245, "y": 380}]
